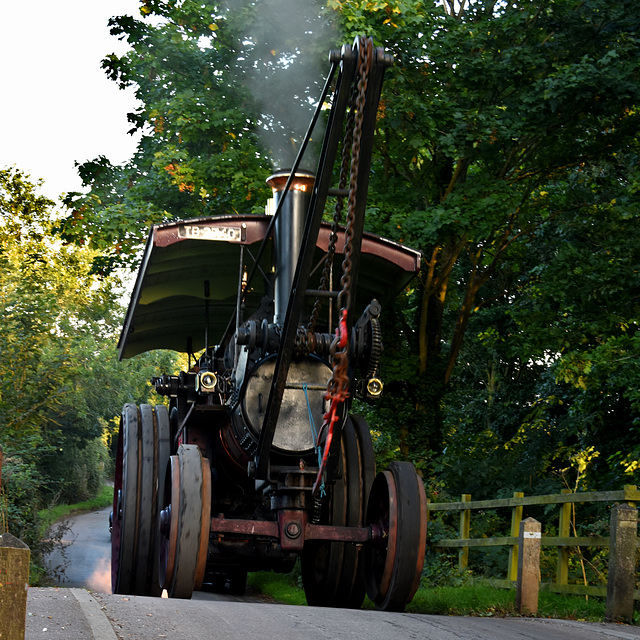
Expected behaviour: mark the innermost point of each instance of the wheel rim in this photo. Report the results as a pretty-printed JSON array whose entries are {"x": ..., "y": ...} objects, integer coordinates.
[
  {"x": 205, "y": 526},
  {"x": 397, "y": 510},
  {"x": 382, "y": 514},
  {"x": 164, "y": 454},
  {"x": 184, "y": 523},
  {"x": 125, "y": 517},
  {"x": 351, "y": 461},
  {"x": 142, "y": 579},
  {"x": 367, "y": 461},
  {"x": 168, "y": 523},
  {"x": 422, "y": 544},
  {"x": 116, "y": 521},
  {"x": 321, "y": 561}
]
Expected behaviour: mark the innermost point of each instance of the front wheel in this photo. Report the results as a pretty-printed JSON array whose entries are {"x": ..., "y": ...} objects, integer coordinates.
[
  {"x": 185, "y": 520},
  {"x": 393, "y": 561}
]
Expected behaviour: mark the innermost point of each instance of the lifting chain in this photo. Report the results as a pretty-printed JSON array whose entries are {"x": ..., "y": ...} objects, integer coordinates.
[
  {"x": 338, "y": 385},
  {"x": 337, "y": 218},
  {"x": 364, "y": 67}
]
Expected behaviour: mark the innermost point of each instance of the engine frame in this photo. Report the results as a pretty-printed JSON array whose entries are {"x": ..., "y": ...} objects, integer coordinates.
[{"x": 257, "y": 460}]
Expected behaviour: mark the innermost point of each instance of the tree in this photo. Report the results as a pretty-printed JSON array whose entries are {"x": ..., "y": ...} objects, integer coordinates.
[
  {"x": 494, "y": 117},
  {"x": 58, "y": 372},
  {"x": 214, "y": 80},
  {"x": 503, "y": 129}
]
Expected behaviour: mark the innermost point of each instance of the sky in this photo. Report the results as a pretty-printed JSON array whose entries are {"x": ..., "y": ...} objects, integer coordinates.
[{"x": 57, "y": 106}]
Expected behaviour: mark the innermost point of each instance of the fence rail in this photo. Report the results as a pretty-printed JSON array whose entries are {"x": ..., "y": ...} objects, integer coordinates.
[{"x": 629, "y": 495}]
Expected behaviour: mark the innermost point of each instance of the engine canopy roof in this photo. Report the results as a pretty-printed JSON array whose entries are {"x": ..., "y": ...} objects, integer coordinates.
[{"x": 187, "y": 262}]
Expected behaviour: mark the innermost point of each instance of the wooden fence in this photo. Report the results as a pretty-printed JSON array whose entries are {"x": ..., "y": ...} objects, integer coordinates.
[{"x": 564, "y": 541}]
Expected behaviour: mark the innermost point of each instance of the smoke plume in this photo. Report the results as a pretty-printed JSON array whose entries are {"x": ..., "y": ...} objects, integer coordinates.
[{"x": 284, "y": 47}]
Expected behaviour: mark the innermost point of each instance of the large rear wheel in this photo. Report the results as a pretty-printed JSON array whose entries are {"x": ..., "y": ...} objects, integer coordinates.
[
  {"x": 367, "y": 462},
  {"x": 142, "y": 454},
  {"x": 331, "y": 571}
]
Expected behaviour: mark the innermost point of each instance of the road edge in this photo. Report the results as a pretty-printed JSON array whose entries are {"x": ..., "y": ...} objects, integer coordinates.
[{"x": 100, "y": 626}]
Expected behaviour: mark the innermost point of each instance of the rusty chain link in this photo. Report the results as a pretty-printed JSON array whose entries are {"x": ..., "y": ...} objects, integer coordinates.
[
  {"x": 337, "y": 218},
  {"x": 338, "y": 385}
]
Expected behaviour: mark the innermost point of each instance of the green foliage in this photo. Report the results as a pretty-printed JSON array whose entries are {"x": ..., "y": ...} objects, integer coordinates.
[
  {"x": 214, "y": 81},
  {"x": 82, "y": 468},
  {"x": 475, "y": 598},
  {"x": 102, "y": 499},
  {"x": 503, "y": 127},
  {"x": 278, "y": 586},
  {"x": 480, "y": 599},
  {"x": 554, "y": 369},
  {"x": 506, "y": 150},
  {"x": 441, "y": 570},
  {"x": 514, "y": 133},
  {"x": 59, "y": 377}
]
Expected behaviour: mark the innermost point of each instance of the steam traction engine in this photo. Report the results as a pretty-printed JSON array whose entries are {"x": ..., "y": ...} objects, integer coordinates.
[{"x": 257, "y": 460}]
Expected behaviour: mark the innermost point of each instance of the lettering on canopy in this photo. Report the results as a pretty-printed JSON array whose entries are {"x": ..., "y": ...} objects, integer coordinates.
[{"x": 205, "y": 232}]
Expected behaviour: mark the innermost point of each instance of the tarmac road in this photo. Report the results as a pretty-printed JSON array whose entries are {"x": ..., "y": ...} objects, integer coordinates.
[
  {"x": 77, "y": 614},
  {"x": 84, "y": 560}
]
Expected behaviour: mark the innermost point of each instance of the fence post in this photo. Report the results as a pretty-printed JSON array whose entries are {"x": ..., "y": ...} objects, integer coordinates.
[
  {"x": 627, "y": 489},
  {"x": 564, "y": 530},
  {"x": 14, "y": 576},
  {"x": 516, "y": 518},
  {"x": 622, "y": 563},
  {"x": 465, "y": 527},
  {"x": 528, "y": 583}
]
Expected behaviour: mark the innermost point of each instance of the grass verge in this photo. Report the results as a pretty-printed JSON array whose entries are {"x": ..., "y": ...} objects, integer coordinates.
[
  {"x": 102, "y": 500},
  {"x": 468, "y": 600},
  {"x": 484, "y": 600},
  {"x": 279, "y": 586}
]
